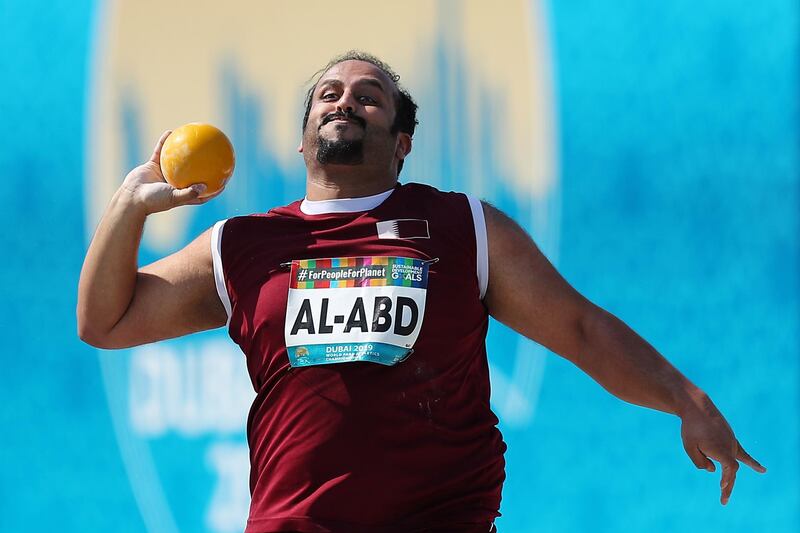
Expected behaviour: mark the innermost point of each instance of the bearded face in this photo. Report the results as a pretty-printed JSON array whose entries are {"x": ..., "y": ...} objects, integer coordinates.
[{"x": 351, "y": 117}]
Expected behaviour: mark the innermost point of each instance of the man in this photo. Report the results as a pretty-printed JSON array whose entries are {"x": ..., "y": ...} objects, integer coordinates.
[{"x": 363, "y": 312}]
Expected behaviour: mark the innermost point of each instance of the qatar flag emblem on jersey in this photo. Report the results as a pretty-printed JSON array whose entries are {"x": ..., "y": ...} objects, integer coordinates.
[{"x": 403, "y": 228}]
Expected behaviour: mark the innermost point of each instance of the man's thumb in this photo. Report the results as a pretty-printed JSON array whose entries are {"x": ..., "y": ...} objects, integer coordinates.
[{"x": 182, "y": 196}]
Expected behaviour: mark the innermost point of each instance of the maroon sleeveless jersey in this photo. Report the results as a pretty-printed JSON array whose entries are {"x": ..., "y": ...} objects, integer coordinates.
[{"x": 387, "y": 427}]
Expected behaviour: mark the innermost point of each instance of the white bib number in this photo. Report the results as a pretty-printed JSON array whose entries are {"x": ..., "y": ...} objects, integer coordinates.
[{"x": 348, "y": 309}]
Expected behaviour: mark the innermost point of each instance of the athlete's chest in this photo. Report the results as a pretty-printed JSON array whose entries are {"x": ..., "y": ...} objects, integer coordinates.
[
  {"x": 356, "y": 292},
  {"x": 365, "y": 288}
]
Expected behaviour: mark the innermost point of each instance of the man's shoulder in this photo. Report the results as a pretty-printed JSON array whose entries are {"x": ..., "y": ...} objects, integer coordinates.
[
  {"x": 290, "y": 210},
  {"x": 270, "y": 222},
  {"x": 445, "y": 209},
  {"x": 423, "y": 189}
]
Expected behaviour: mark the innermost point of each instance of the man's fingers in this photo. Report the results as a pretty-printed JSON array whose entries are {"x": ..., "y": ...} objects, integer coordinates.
[
  {"x": 747, "y": 459},
  {"x": 699, "y": 458},
  {"x": 156, "y": 157},
  {"x": 728, "y": 479}
]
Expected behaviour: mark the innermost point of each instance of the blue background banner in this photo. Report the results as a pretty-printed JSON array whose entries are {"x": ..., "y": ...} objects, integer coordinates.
[{"x": 673, "y": 203}]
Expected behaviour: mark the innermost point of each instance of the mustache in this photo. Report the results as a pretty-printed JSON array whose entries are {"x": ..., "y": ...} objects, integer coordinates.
[{"x": 347, "y": 116}]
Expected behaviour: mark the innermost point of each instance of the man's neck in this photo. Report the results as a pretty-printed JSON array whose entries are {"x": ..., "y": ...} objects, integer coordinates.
[{"x": 346, "y": 182}]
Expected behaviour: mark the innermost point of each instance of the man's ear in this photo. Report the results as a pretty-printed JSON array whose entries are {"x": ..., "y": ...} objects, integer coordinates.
[
  {"x": 300, "y": 147},
  {"x": 403, "y": 146}
]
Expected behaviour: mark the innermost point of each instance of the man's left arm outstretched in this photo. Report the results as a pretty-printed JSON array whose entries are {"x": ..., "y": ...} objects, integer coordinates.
[{"x": 526, "y": 293}]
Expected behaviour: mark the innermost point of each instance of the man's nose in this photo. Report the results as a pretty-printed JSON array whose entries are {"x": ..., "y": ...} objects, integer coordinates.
[{"x": 346, "y": 102}]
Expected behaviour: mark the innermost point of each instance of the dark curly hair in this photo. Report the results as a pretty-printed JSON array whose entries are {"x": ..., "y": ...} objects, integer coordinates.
[{"x": 405, "y": 119}]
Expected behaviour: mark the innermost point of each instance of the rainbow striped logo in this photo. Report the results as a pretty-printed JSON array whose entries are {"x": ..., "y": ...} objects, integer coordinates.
[{"x": 345, "y": 272}]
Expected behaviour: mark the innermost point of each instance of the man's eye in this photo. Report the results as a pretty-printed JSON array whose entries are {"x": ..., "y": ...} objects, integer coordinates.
[
  {"x": 367, "y": 100},
  {"x": 328, "y": 96}
]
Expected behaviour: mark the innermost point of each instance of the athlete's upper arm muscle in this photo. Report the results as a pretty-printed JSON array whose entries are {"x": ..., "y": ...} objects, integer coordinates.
[
  {"x": 527, "y": 293},
  {"x": 174, "y": 296}
]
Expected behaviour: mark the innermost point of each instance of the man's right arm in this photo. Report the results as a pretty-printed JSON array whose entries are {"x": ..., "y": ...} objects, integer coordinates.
[{"x": 120, "y": 305}]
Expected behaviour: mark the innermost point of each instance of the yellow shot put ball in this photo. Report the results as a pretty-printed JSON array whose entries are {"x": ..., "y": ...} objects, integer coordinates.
[{"x": 197, "y": 153}]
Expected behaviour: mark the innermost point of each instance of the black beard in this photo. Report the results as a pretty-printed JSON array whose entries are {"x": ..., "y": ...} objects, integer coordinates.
[{"x": 340, "y": 152}]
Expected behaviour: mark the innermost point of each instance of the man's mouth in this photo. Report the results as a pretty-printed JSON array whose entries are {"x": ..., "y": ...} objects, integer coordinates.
[{"x": 338, "y": 117}]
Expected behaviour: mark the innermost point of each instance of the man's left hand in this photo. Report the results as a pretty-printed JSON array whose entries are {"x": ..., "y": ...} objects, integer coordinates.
[{"x": 707, "y": 435}]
